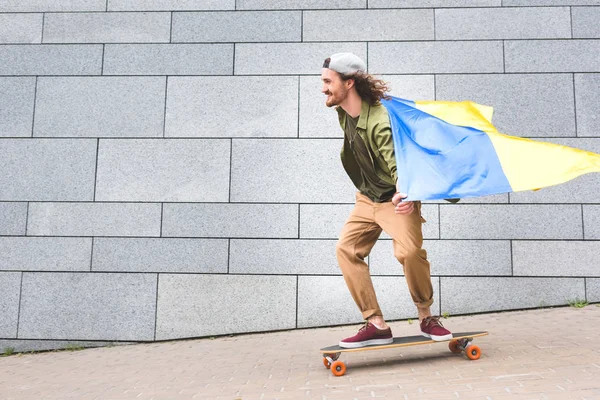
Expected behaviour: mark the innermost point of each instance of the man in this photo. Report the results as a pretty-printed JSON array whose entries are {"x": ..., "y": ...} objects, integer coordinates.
[{"x": 368, "y": 158}]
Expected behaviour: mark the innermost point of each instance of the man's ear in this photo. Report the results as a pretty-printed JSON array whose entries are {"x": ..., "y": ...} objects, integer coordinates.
[{"x": 349, "y": 83}]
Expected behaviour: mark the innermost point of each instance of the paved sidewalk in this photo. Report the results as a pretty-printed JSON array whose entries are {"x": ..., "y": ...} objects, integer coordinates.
[{"x": 537, "y": 354}]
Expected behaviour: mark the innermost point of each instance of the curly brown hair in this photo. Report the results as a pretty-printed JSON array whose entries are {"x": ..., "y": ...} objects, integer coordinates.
[{"x": 368, "y": 87}]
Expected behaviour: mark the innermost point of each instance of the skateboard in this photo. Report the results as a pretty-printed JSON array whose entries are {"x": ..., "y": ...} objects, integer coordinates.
[{"x": 458, "y": 344}]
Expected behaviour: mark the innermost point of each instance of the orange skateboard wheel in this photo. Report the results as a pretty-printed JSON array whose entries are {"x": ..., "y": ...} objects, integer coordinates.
[
  {"x": 473, "y": 352},
  {"x": 338, "y": 368},
  {"x": 454, "y": 347},
  {"x": 326, "y": 363}
]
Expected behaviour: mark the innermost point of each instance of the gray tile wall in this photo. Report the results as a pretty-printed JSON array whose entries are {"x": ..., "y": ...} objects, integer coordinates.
[{"x": 168, "y": 168}]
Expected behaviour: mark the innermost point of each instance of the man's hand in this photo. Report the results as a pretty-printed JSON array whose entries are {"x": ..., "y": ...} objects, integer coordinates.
[{"x": 402, "y": 207}]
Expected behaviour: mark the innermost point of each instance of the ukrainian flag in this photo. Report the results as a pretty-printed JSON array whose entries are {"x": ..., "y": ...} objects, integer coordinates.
[{"x": 451, "y": 150}]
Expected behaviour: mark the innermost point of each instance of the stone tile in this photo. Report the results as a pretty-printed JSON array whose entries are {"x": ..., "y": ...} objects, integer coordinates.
[
  {"x": 433, "y": 3},
  {"x": 556, "y": 258},
  {"x": 449, "y": 258},
  {"x": 480, "y": 294},
  {"x": 325, "y": 221},
  {"x": 592, "y": 289},
  {"x": 163, "y": 170},
  {"x": 160, "y": 255},
  {"x": 298, "y": 4},
  {"x": 21, "y": 28},
  {"x": 585, "y": 22},
  {"x": 168, "y": 59},
  {"x": 435, "y": 57},
  {"x": 499, "y": 221},
  {"x": 255, "y": 304},
  {"x": 587, "y": 97},
  {"x": 301, "y": 58},
  {"x": 52, "y": 5},
  {"x": 524, "y": 105},
  {"x": 121, "y": 27},
  {"x": 21, "y": 346},
  {"x": 503, "y": 23},
  {"x": 552, "y": 55},
  {"x": 283, "y": 256},
  {"x": 230, "y": 220},
  {"x": 550, "y": 2},
  {"x": 317, "y": 120},
  {"x": 584, "y": 189},
  {"x": 88, "y": 306},
  {"x": 375, "y": 25},
  {"x": 45, "y": 254},
  {"x": 94, "y": 219},
  {"x": 51, "y": 60},
  {"x": 13, "y": 217},
  {"x": 326, "y": 301},
  {"x": 591, "y": 221},
  {"x": 491, "y": 199},
  {"x": 9, "y": 303},
  {"x": 286, "y": 170},
  {"x": 100, "y": 107},
  {"x": 203, "y": 107},
  {"x": 170, "y": 5},
  {"x": 238, "y": 26},
  {"x": 47, "y": 170},
  {"x": 16, "y": 106}
]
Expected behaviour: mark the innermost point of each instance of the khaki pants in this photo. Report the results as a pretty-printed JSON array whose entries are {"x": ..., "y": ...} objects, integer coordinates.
[{"x": 361, "y": 231}]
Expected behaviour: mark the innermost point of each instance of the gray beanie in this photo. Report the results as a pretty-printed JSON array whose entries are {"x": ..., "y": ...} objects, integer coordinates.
[{"x": 346, "y": 63}]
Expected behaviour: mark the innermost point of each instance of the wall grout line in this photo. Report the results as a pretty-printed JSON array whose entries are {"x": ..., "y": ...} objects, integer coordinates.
[
  {"x": 96, "y": 171},
  {"x": 582, "y": 224},
  {"x": 43, "y": 26},
  {"x": 156, "y": 307},
  {"x": 20, "y": 301},
  {"x": 35, "y": 89},
  {"x": 512, "y": 263},
  {"x": 575, "y": 107},
  {"x": 230, "y": 167},
  {"x": 92, "y": 255},
  {"x": 165, "y": 107}
]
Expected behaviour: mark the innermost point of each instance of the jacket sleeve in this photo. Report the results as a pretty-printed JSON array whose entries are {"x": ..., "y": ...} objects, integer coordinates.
[{"x": 382, "y": 136}]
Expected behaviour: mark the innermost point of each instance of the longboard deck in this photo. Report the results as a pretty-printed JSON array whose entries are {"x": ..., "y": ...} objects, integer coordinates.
[{"x": 402, "y": 341}]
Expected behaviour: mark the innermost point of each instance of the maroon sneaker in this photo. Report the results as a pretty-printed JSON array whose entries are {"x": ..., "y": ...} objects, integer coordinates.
[
  {"x": 368, "y": 335},
  {"x": 432, "y": 328}
]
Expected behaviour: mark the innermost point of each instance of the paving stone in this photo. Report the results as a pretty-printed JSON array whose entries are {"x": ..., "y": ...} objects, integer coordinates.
[
  {"x": 298, "y": 4},
  {"x": 433, "y": 3},
  {"x": 52, "y": 5},
  {"x": 585, "y": 22},
  {"x": 592, "y": 286},
  {"x": 591, "y": 221},
  {"x": 170, "y": 5},
  {"x": 587, "y": 97}
]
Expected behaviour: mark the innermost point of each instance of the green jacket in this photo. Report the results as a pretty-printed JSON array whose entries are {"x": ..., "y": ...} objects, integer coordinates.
[{"x": 374, "y": 128}]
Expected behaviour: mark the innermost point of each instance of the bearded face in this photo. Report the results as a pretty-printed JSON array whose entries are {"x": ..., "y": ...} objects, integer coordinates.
[{"x": 333, "y": 87}]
